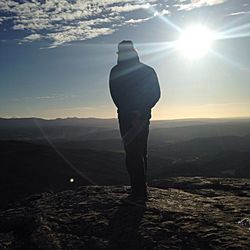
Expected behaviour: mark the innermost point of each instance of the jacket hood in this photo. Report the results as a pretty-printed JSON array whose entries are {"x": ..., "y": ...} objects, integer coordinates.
[{"x": 128, "y": 57}]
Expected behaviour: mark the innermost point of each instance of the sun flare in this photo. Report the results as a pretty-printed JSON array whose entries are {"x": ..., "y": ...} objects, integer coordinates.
[{"x": 195, "y": 41}]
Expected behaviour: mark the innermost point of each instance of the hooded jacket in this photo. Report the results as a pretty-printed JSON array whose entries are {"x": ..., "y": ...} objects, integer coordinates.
[{"x": 134, "y": 87}]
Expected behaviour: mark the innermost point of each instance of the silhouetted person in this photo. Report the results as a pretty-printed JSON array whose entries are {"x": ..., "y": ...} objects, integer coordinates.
[{"x": 135, "y": 90}]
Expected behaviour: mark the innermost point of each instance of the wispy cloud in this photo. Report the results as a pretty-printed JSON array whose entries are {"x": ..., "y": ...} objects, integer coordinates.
[
  {"x": 80, "y": 108},
  {"x": 239, "y": 13},
  {"x": 50, "y": 97},
  {"x": 32, "y": 37},
  {"x": 136, "y": 21},
  {"x": 199, "y": 3},
  {"x": 45, "y": 97},
  {"x": 64, "y": 21}
]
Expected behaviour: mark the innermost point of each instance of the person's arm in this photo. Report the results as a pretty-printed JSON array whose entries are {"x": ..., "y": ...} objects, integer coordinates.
[
  {"x": 149, "y": 93},
  {"x": 113, "y": 88},
  {"x": 153, "y": 91}
]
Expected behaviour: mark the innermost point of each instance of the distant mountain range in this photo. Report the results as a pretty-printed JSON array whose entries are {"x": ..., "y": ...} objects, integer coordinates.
[
  {"x": 79, "y": 129},
  {"x": 39, "y": 155},
  {"x": 111, "y": 123}
]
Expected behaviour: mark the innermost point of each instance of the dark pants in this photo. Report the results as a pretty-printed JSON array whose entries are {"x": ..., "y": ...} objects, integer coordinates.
[{"x": 135, "y": 145}]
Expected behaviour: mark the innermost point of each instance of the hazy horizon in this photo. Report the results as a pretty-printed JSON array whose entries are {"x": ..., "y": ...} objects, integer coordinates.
[{"x": 110, "y": 118}]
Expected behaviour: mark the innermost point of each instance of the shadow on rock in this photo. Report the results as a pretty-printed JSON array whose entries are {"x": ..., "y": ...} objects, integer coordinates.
[{"x": 124, "y": 225}]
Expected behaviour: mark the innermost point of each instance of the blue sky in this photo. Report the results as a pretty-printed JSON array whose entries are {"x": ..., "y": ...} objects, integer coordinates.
[{"x": 56, "y": 56}]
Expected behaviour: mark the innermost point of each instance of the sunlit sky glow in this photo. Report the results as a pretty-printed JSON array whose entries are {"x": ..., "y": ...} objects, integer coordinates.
[
  {"x": 56, "y": 55},
  {"x": 195, "y": 41}
]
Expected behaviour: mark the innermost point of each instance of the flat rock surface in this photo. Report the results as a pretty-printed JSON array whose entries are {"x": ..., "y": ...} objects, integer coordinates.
[{"x": 185, "y": 213}]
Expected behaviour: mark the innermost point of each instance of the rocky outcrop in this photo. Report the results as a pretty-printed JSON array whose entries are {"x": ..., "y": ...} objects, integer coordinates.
[{"x": 185, "y": 213}]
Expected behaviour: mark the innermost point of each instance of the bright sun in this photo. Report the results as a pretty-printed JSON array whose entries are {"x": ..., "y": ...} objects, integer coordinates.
[{"x": 195, "y": 41}]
